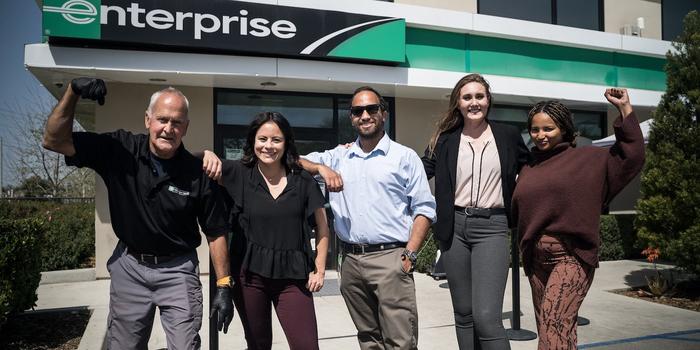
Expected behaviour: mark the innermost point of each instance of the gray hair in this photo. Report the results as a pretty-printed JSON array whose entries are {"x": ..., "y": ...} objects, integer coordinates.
[{"x": 168, "y": 90}]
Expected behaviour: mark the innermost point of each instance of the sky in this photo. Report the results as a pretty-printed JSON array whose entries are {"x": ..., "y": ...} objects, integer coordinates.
[{"x": 20, "y": 23}]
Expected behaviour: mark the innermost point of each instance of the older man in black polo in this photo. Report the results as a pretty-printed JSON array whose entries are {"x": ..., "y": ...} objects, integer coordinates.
[{"x": 157, "y": 194}]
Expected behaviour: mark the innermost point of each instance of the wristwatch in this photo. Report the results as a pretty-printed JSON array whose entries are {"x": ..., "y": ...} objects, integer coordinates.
[
  {"x": 411, "y": 256},
  {"x": 225, "y": 282}
]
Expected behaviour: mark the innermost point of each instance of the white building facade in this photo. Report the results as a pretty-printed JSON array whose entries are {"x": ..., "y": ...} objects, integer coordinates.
[{"x": 304, "y": 58}]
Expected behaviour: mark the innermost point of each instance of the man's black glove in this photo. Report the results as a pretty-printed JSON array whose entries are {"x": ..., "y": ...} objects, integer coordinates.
[
  {"x": 223, "y": 304},
  {"x": 90, "y": 88}
]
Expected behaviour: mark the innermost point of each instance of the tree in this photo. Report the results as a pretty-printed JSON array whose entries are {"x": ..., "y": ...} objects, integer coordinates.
[
  {"x": 669, "y": 208},
  {"x": 36, "y": 187},
  {"x": 34, "y": 165}
]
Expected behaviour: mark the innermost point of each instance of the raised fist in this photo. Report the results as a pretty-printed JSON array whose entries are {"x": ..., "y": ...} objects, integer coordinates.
[{"x": 90, "y": 88}]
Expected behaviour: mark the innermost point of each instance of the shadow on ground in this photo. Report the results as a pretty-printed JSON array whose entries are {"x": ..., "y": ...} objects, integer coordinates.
[{"x": 637, "y": 278}]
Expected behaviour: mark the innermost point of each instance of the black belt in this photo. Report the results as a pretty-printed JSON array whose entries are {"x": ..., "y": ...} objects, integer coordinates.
[
  {"x": 480, "y": 212},
  {"x": 151, "y": 259},
  {"x": 369, "y": 248}
]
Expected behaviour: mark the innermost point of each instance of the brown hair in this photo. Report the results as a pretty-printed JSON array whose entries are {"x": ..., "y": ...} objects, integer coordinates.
[
  {"x": 561, "y": 116},
  {"x": 453, "y": 118}
]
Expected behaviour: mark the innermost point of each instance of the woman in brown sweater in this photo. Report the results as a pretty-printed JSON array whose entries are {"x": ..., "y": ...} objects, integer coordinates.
[{"x": 557, "y": 204}]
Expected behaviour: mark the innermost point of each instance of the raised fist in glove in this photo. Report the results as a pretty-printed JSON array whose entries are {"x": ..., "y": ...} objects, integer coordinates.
[
  {"x": 90, "y": 88},
  {"x": 223, "y": 307}
]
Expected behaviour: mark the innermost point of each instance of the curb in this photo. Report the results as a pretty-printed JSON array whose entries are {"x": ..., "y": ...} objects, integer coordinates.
[
  {"x": 96, "y": 331},
  {"x": 66, "y": 276}
]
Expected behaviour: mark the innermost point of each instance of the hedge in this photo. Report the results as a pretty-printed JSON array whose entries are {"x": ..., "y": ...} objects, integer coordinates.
[
  {"x": 20, "y": 265},
  {"x": 610, "y": 239},
  {"x": 426, "y": 257},
  {"x": 68, "y": 241}
]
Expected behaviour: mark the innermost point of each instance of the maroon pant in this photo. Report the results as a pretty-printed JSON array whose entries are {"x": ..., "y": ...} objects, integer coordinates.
[
  {"x": 559, "y": 283},
  {"x": 294, "y": 305}
]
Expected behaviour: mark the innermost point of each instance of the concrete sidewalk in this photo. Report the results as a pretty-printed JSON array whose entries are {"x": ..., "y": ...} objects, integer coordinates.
[{"x": 617, "y": 322}]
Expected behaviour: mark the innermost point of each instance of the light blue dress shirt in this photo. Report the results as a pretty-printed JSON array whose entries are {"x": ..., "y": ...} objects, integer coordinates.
[{"x": 383, "y": 191}]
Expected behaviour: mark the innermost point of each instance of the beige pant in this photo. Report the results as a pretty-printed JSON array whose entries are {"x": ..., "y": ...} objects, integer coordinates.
[{"x": 381, "y": 299}]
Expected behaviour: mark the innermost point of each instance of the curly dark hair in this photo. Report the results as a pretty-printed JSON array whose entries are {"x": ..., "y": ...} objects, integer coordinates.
[
  {"x": 290, "y": 157},
  {"x": 561, "y": 116}
]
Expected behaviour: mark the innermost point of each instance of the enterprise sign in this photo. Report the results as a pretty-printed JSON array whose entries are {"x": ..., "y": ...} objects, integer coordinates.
[{"x": 229, "y": 25}]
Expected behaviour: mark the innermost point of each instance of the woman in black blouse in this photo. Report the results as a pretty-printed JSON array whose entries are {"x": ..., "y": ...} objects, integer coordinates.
[{"x": 272, "y": 200}]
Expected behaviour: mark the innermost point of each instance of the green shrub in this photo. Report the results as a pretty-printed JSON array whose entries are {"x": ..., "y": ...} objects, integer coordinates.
[
  {"x": 428, "y": 251},
  {"x": 686, "y": 249},
  {"x": 611, "y": 246},
  {"x": 19, "y": 264},
  {"x": 669, "y": 207},
  {"x": 69, "y": 239}
]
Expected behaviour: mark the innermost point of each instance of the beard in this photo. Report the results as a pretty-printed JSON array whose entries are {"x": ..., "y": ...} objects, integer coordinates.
[{"x": 373, "y": 133}]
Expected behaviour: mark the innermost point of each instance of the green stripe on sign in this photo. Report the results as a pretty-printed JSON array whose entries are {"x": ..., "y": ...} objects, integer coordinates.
[
  {"x": 385, "y": 42},
  {"x": 539, "y": 61},
  {"x": 431, "y": 49},
  {"x": 71, "y": 18},
  {"x": 641, "y": 72},
  {"x": 436, "y": 50}
]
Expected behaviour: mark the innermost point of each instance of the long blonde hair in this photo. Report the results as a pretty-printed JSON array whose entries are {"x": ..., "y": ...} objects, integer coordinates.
[{"x": 453, "y": 118}]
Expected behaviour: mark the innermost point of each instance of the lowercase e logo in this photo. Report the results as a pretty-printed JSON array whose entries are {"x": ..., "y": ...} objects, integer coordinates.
[
  {"x": 75, "y": 11},
  {"x": 72, "y": 18}
]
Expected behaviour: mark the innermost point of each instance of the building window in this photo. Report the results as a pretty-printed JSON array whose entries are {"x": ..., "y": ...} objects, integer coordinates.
[
  {"x": 590, "y": 125},
  {"x": 319, "y": 121},
  {"x": 672, "y": 14},
  {"x": 586, "y": 14},
  {"x": 534, "y": 10}
]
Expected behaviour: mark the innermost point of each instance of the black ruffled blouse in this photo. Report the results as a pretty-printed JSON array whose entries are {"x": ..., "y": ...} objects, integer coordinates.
[{"x": 273, "y": 228}]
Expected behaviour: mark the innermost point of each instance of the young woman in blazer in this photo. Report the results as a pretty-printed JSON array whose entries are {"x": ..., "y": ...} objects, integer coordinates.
[{"x": 474, "y": 162}]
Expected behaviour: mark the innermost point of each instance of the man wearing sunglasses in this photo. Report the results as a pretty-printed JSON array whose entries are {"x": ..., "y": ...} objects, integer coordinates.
[{"x": 383, "y": 208}]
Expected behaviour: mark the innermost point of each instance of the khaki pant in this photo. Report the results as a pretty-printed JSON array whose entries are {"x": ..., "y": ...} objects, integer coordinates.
[{"x": 381, "y": 299}]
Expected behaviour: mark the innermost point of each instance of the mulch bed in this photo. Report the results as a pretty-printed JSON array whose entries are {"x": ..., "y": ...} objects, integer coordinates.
[
  {"x": 45, "y": 330},
  {"x": 685, "y": 295}
]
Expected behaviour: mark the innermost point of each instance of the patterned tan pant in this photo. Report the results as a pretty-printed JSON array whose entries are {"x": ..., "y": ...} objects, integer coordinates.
[{"x": 559, "y": 283}]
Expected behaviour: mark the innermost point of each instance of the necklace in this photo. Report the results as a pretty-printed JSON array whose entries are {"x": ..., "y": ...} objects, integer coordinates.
[{"x": 276, "y": 178}]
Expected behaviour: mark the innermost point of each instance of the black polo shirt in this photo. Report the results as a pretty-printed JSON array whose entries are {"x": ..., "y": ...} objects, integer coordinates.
[
  {"x": 276, "y": 229},
  {"x": 152, "y": 211}
]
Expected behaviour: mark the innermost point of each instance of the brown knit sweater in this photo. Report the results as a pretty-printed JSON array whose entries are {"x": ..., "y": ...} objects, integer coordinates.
[{"x": 564, "y": 190}]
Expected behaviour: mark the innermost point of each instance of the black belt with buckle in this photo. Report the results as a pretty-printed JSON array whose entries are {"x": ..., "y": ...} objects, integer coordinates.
[
  {"x": 481, "y": 212},
  {"x": 353, "y": 248},
  {"x": 151, "y": 259}
]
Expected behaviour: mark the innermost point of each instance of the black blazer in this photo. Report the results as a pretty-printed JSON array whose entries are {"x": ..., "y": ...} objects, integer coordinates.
[{"x": 512, "y": 154}]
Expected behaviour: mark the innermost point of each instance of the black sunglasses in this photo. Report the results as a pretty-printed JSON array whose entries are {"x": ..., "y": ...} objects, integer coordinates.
[{"x": 372, "y": 109}]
